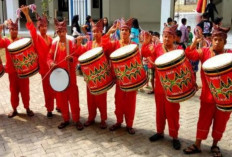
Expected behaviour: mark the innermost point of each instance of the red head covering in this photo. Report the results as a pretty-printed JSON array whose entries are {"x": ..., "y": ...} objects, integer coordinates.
[
  {"x": 41, "y": 21},
  {"x": 126, "y": 24},
  {"x": 170, "y": 30},
  {"x": 60, "y": 26},
  {"x": 99, "y": 25},
  {"x": 12, "y": 25},
  {"x": 220, "y": 31}
]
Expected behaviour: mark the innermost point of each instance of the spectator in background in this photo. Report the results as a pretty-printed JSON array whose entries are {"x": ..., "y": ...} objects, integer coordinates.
[
  {"x": 106, "y": 25},
  {"x": 174, "y": 22},
  {"x": 190, "y": 39},
  {"x": 135, "y": 31},
  {"x": 88, "y": 26},
  {"x": 169, "y": 22},
  {"x": 178, "y": 40},
  {"x": 218, "y": 21},
  {"x": 205, "y": 24},
  {"x": 210, "y": 8},
  {"x": 75, "y": 28},
  {"x": 184, "y": 31}
]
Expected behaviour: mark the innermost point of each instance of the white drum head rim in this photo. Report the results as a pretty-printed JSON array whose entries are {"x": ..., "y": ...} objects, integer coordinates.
[
  {"x": 217, "y": 62},
  {"x": 123, "y": 51},
  {"x": 19, "y": 43},
  {"x": 59, "y": 79},
  {"x": 90, "y": 54},
  {"x": 169, "y": 57}
]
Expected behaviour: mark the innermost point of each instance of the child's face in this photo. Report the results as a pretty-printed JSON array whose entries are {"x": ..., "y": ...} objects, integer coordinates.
[{"x": 189, "y": 29}]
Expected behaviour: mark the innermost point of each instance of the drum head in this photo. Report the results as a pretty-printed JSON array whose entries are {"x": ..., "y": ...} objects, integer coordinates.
[
  {"x": 19, "y": 44},
  {"x": 169, "y": 57},
  {"x": 89, "y": 55},
  {"x": 217, "y": 62},
  {"x": 124, "y": 51},
  {"x": 59, "y": 79}
]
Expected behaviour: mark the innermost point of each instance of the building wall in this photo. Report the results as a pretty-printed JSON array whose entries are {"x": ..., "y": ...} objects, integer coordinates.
[{"x": 148, "y": 12}]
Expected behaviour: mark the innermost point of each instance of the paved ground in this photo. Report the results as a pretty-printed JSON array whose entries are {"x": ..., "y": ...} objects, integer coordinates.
[{"x": 39, "y": 136}]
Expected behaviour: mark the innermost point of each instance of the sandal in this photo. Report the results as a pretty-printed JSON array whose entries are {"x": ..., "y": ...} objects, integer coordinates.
[
  {"x": 103, "y": 125},
  {"x": 89, "y": 122},
  {"x": 79, "y": 126},
  {"x": 12, "y": 114},
  {"x": 193, "y": 149},
  {"x": 216, "y": 151},
  {"x": 130, "y": 130},
  {"x": 115, "y": 127}
]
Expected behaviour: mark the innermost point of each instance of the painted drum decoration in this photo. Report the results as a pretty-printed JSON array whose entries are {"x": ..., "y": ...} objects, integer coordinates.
[
  {"x": 24, "y": 57},
  {"x": 176, "y": 76},
  {"x": 2, "y": 71},
  {"x": 128, "y": 68},
  {"x": 96, "y": 71},
  {"x": 218, "y": 72}
]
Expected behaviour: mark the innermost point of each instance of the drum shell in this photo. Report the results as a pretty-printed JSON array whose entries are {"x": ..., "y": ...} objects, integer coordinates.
[
  {"x": 220, "y": 85},
  {"x": 97, "y": 74},
  {"x": 2, "y": 70},
  {"x": 25, "y": 60},
  {"x": 178, "y": 80},
  {"x": 130, "y": 72}
]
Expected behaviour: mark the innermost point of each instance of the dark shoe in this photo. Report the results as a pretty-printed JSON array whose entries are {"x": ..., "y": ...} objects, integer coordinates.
[
  {"x": 63, "y": 125},
  {"x": 89, "y": 122},
  {"x": 12, "y": 114},
  {"x": 150, "y": 92},
  {"x": 58, "y": 110},
  {"x": 103, "y": 125},
  {"x": 115, "y": 127},
  {"x": 30, "y": 113},
  {"x": 176, "y": 144},
  {"x": 79, "y": 126},
  {"x": 49, "y": 115},
  {"x": 216, "y": 151},
  {"x": 156, "y": 137},
  {"x": 130, "y": 130},
  {"x": 193, "y": 149}
]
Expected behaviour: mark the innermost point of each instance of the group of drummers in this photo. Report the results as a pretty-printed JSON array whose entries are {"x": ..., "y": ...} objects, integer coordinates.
[{"x": 106, "y": 62}]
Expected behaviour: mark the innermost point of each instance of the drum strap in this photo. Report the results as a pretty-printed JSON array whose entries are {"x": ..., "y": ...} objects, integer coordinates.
[{"x": 57, "y": 43}]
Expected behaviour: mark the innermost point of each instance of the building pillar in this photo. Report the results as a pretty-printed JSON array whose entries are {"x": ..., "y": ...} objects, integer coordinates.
[{"x": 167, "y": 10}]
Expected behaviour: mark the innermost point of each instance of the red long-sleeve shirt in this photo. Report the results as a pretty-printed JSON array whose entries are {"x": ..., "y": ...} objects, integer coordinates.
[{"x": 42, "y": 47}]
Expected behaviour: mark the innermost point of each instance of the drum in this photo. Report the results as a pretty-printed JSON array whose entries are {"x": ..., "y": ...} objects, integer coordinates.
[
  {"x": 2, "y": 71},
  {"x": 218, "y": 72},
  {"x": 96, "y": 71},
  {"x": 59, "y": 79},
  {"x": 176, "y": 76},
  {"x": 24, "y": 57},
  {"x": 128, "y": 68}
]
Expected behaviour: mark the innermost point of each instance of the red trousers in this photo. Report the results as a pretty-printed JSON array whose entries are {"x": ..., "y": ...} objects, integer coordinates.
[
  {"x": 49, "y": 94},
  {"x": 69, "y": 96},
  {"x": 125, "y": 105},
  {"x": 19, "y": 85},
  {"x": 209, "y": 114},
  {"x": 94, "y": 102},
  {"x": 167, "y": 110}
]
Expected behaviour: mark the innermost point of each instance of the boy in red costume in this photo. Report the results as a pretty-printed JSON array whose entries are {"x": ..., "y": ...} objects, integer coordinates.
[
  {"x": 67, "y": 59},
  {"x": 17, "y": 85},
  {"x": 165, "y": 110},
  {"x": 124, "y": 101},
  {"x": 208, "y": 113},
  {"x": 95, "y": 101},
  {"x": 42, "y": 45}
]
